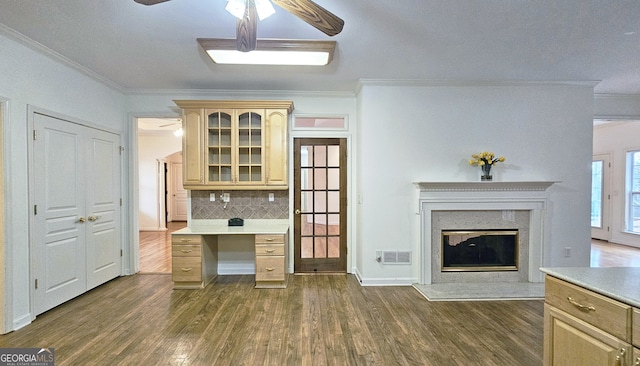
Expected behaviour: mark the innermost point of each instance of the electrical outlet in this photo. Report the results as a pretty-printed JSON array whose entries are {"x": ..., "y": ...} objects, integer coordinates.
[
  {"x": 271, "y": 197},
  {"x": 225, "y": 197},
  {"x": 212, "y": 197}
]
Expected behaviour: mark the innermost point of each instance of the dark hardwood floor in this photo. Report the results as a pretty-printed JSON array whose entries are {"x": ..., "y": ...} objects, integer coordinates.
[{"x": 317, "y": 320}]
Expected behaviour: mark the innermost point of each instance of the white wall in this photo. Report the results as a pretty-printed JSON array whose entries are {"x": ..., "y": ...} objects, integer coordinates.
[
  {"x": 30, "y": 78},
  {"x": 413, "y": 133},
  {"x": 151, "y": 149},
  {"x": 616, "y": 140}
]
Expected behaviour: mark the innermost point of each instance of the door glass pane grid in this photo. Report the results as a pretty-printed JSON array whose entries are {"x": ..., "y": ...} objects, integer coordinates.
[
  {"x": 596, "y": 193},
  {"x": 633, "y": 189},
  {"x": 320, "y": 207}
]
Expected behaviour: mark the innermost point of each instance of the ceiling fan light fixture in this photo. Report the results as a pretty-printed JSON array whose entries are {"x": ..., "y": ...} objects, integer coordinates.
[
  {"x": 264, "y": 8},
  {"x": 270, "y": 52},
  {"x": 237, "y": 7}
]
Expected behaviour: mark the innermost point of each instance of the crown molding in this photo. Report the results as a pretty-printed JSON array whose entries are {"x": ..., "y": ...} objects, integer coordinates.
[
  {"x": 58, "y": 57},
  {"x": 474, "y": 83}
]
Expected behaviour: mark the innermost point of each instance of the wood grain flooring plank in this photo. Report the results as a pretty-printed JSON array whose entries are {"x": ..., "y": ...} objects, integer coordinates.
[{"x": 316, "y": 320}]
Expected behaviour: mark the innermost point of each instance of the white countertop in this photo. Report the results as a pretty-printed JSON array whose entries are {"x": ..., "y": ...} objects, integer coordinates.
[
  {"x": 221, "y": 227},
  {"x": 619, "y": 283}
]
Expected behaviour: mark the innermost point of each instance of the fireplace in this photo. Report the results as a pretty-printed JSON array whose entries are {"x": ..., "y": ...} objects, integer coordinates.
[
  {"x": 483, "y": 207},
  {"x": 479, "y": 250}
]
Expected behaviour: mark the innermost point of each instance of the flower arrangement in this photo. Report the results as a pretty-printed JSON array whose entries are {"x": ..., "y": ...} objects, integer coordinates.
[{"x": 485, "y": 160}]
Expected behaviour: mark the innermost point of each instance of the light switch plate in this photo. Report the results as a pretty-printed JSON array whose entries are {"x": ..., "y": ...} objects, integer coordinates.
[
  {"x": 212, "y": 197},
  {"x": 271, "y": 197},
  {"x": 226, "y": 197}
]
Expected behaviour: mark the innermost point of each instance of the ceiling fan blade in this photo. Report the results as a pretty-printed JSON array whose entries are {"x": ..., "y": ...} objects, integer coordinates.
[
  {"x": 149, "y": 2},
  {"x": 246, "y": 30},
  {"x": 314, "y": 14}
]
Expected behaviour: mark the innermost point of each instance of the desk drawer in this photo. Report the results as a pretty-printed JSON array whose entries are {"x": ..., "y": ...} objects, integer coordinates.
[
  {"x": 187, "y": 269},
  {"x": 269, "y": 239},
  {"x": 186, "y": 239},
  {"x": 188, "y": 250},
  {"x": 269, "y": 249},
  {"x": 270, "y": 268},
  {"x": 607, "y": 314}
]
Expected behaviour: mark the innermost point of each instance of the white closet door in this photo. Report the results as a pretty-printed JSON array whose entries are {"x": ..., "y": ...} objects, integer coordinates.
[
  {"x": 103, "y": 208},
  {"x": 58, "y": 243},
  {"x": 76, "y": 232}
]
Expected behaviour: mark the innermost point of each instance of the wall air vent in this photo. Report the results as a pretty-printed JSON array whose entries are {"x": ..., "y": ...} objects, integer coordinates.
[{"x": 393, "y": 256}]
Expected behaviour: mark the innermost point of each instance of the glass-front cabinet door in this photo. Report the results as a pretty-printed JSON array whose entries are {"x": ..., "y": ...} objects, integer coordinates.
[
  {"x": 235, "y": 147},
  {"x": 249, "y": 147},
  {"x": 219, "y": 147}
]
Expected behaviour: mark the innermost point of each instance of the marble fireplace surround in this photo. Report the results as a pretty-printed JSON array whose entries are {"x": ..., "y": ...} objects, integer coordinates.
[{"x": 459, "y": 201}]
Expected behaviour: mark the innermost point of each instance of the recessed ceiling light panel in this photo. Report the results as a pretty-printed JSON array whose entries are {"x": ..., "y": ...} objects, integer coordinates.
[{"x": 270, "y": 52}]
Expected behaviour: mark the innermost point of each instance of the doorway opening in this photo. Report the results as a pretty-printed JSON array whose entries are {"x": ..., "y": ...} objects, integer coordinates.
[{"x": 162, "y": 201}]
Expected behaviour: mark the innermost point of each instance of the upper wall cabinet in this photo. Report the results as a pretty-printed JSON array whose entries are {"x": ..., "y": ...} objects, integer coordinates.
[{"x": 235, "y": 144}]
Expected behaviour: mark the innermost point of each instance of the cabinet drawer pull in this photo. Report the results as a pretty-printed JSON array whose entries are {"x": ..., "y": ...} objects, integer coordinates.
[
  {"x": 620, "y": 356},
  {"x": 637, "y": 363},
  {"x": 269, "y": 250},
  {"x": 186, "y": 250},
  {"x": 579, "y": 305},
  {"x": 186, "y": 269},
  {"x": 185, "y": 240},
  {"x": 269, "y": 269},
  {"x": 269, "y": 239}
]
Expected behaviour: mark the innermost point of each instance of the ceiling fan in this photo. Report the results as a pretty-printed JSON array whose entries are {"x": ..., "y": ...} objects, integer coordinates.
[{"x": 247, "y": 22}]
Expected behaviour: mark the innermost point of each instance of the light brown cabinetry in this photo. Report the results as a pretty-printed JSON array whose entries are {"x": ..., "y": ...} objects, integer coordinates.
[
  {"x": 270, "y": 261},
  {"x": 636, "y": 337},
  {"x": 235, "y": 144},
  {"x": 585, "y": 328},
  {"x": 193, "y": 261}
]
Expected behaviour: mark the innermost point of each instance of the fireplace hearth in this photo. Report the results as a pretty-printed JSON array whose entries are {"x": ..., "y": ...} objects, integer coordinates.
[{"x": 479, "y": 250}]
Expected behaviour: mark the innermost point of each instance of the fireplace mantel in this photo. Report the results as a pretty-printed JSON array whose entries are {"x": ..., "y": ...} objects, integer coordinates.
[
  {"x": 483, "y": 186},
  {"x": 505, "y": 197}
]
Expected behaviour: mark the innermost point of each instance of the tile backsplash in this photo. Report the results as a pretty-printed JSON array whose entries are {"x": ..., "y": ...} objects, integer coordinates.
[{"x": 244, "y": 204}]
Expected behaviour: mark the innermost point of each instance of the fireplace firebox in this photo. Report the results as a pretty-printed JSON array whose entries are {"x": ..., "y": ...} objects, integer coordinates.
[{"x": 479, "y": 250}]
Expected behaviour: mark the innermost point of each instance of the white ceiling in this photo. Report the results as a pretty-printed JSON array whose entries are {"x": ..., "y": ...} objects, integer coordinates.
[{"x": 137, "y": 47}]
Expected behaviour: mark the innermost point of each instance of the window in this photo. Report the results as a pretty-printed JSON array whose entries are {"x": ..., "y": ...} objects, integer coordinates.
[
  {"x": 633, "y": 191},
  {"x": 314, "y": 123}
]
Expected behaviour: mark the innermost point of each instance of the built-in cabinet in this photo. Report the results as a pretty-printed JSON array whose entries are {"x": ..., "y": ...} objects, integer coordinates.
[
  {"x": 195, "y": 256},
  {"x": 585, "y": 328},
  {"x": 270, "y": 261},
  {"x": 194, "y": 260},
  {"x": 235, "y": 144}
]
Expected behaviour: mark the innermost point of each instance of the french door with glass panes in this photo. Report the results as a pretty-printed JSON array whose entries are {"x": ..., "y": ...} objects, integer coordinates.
[
  {"x": 600, "y": 197},
  {"x": 320, "y": 205}
]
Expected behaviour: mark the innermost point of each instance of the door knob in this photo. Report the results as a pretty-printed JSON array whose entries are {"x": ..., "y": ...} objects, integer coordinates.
[
  {"x": 297, "y": 211},
  {"x": 81, "y": 220},
  {"x": 93, "y": 218}
]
